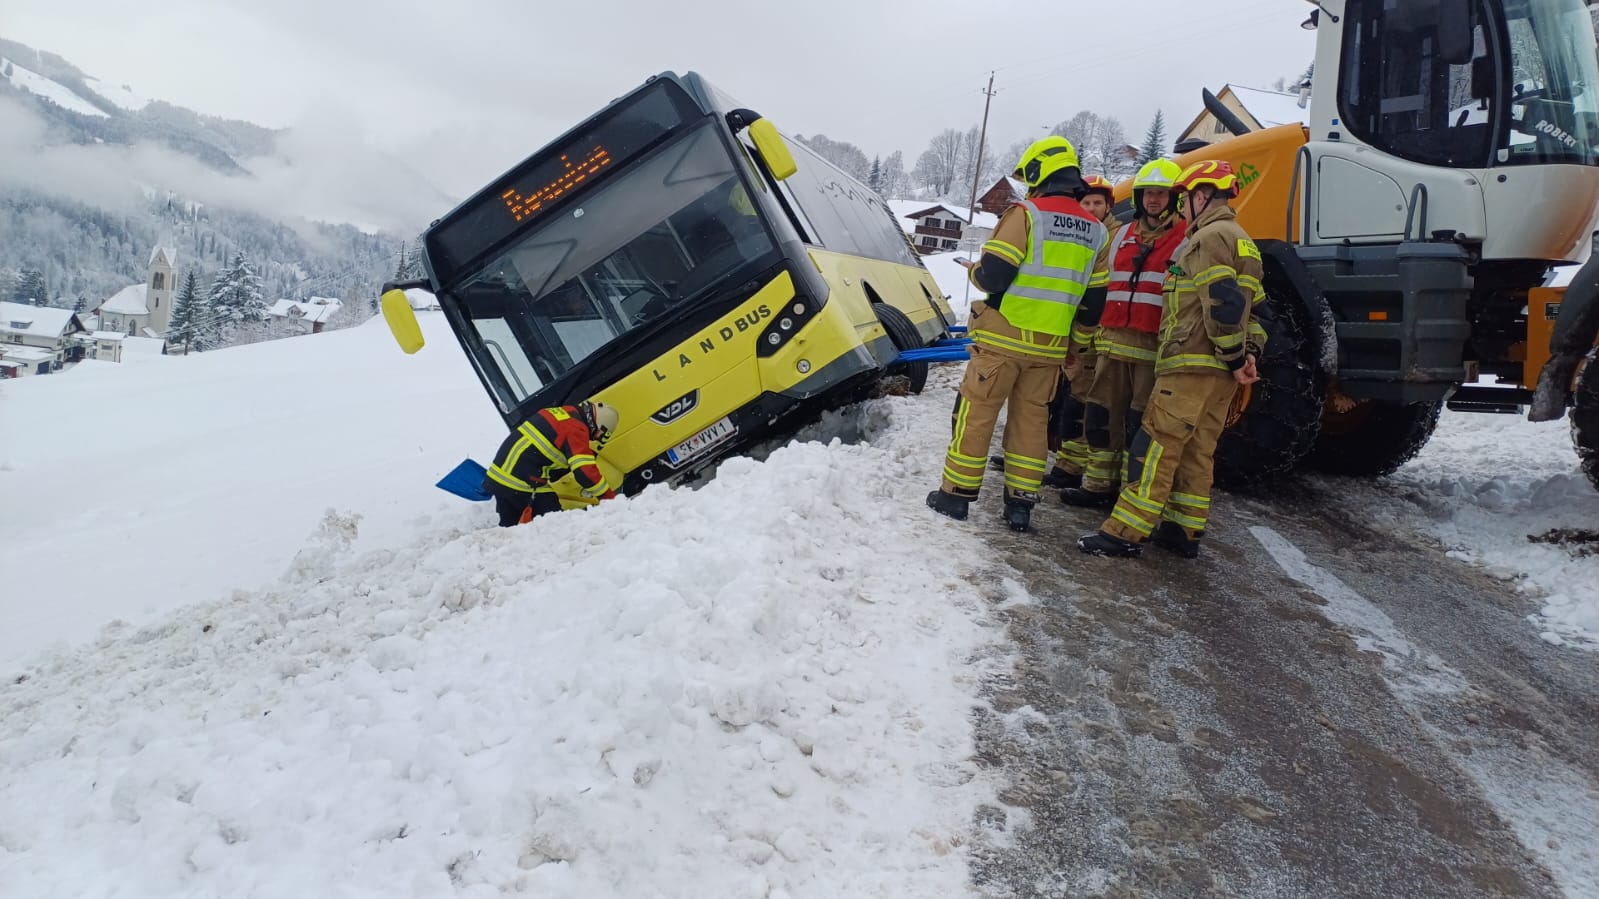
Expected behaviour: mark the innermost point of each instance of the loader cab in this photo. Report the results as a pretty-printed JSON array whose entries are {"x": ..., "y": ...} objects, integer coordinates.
[{"x": 1444, "y": 115}]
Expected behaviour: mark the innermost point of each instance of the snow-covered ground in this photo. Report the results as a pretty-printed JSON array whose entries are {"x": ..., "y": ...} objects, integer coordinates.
[
  {"x": 59, "y": 94},
  {"x": 337, "y": 679},
  {"x": 120, "y": 94},
  {"x": 1490, "y": 484}
]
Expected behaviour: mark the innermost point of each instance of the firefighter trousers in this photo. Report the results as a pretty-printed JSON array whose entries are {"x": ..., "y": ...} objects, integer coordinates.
[
  {"x": 1170, "y": 462},
  {"x": 1066, "y": 422},
  {"x": 515, "y": 507},
  {"x": 1115, "y": 410},
  {"x": 992, "y": 380}
]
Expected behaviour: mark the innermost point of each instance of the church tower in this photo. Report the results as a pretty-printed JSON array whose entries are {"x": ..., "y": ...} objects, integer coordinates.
[{"x": 160, "y": 287}]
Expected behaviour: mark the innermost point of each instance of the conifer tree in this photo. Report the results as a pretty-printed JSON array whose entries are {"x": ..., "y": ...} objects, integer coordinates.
[
  {"x": 235, "y": 300},
  {"x": 1154, "y": 140},
  {"x": 186, "y": 326},
  {"x": 874, "y": 178}
]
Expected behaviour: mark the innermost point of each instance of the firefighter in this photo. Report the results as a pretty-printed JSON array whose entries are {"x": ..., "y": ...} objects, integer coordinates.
[
  {"x": 1034, "y": 271},
  {"x": 1208, "y": 348},
  {"x": 1066, "y": 411},
  {"x": 1136, "y": 260},
  {"x": 545, "y": 448}
]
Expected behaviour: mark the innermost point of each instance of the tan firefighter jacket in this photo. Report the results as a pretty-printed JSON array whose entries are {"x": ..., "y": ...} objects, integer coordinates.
[{"x": 1211, "y": 297}]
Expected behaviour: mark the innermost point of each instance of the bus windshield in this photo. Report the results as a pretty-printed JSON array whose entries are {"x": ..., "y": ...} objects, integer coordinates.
[{"x": 654, "y": 240}]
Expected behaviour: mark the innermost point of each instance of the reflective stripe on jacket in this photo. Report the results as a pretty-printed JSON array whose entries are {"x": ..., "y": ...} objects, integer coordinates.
[
  {"x": 1140, "y": 257},
  {"x": 1054, "y": 270},
  {"x": 1211, "y": 296},
  {"x": 544, "y": 449}
]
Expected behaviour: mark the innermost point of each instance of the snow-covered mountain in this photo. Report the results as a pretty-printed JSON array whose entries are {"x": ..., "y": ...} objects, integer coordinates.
[{"x": 97, "y": 174}]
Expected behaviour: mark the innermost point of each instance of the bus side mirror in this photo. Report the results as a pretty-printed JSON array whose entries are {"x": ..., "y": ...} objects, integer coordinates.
[
  {"x": 774, "y": 152},
  {"x": 401, "y": 319},
  {"x": 1455, "y": 41}
]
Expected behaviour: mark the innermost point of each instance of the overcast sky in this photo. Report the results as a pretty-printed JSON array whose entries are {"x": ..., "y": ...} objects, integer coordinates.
[{"x": 463, "y": 90}]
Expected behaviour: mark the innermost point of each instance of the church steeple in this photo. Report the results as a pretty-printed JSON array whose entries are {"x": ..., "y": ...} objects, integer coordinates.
[{"x": 160, "y": 285}]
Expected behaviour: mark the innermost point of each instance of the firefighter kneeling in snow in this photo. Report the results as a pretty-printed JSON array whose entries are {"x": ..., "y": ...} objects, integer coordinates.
[
  {"x": 554, "y": 442},
  {"x": 1208, "y": 345},
  {"x": 1034, "y": 271}
]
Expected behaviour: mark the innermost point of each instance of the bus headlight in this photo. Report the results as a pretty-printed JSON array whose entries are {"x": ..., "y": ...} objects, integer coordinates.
[{"x": 791, "y": 320}]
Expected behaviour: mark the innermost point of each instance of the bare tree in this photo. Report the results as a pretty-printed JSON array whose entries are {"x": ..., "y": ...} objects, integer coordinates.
[{"x": 938, "y": 168}]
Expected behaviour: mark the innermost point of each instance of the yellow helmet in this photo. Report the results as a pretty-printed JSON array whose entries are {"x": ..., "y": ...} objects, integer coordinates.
[
  {"x": 1158, "y": 173},
  {"x": 1045, "y": 157}
]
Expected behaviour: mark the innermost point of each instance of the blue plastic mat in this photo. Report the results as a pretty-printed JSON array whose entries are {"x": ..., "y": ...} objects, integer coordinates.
[
  {"x": 935, "y": 354},
  {"x": 466, "y": 481}
]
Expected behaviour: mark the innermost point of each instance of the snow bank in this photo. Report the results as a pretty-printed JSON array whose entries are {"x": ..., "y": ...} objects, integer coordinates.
[
  {"x": 135, "y": 488},
  {"x": 760, "y": 687},
  {"x": 1493, "y": 482}
]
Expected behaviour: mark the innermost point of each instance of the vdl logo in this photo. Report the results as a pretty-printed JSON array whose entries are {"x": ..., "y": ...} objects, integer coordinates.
[{"x": 677, "y": 408}]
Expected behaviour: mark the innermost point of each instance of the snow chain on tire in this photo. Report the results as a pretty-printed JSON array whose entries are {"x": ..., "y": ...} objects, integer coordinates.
[
  {"x": 1585, "y": 418},
  {"x": 1278, "y": 426}
]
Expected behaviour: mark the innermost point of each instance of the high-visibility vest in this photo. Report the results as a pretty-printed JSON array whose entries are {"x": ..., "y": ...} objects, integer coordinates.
[
  {"x": 1062, "y": 239},
  {"x": 1138, "y": 277}
]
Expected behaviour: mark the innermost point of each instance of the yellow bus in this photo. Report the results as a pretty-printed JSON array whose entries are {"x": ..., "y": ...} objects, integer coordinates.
[{"x": 675, "y": 257}]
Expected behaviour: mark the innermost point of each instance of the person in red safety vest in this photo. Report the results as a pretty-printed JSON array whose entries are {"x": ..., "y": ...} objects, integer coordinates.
[
  {"x": 542, "y": 450},
  {"x": 1133, "y": 270}
]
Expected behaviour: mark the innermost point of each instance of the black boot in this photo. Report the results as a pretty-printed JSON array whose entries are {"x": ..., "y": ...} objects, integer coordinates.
[
  {"x": 948, "y": 504},
  {"x": 1018, "y": 514},
  {"x": 1172, "y": 538},
  {"x": 1100, "y": 543},
  {"x": 1060, "y": 477},
  {"x": 1088, "y": 499},
  {"x": 997, "y": 462}
]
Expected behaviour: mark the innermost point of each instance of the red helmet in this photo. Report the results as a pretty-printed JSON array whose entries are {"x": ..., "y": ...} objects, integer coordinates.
[
  {"x": 1217, "y": 173},
  {"x": 1098, "y": 185}
]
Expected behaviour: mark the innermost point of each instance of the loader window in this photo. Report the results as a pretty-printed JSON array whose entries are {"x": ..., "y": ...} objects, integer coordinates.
[
  {"x": 1554, "y": 89},
  {"x": 1397, "y": 95}
]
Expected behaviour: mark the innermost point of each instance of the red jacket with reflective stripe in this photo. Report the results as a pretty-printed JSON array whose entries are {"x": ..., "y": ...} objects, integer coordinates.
[
  {"x": 1133, "y": 296},
  {"x": 525, "y": 456}
]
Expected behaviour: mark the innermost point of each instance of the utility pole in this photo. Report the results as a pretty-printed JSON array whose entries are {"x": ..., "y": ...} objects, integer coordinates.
[{"x": 977, "y": 172}]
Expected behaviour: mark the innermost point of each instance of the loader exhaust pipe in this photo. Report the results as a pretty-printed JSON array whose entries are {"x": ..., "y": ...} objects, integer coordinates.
[
  {"x": 1571, "y": 340},
  {"x": 1227, "y": 117}
]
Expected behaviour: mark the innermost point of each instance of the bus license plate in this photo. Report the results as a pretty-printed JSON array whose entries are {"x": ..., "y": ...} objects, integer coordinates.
[{"x": 701, "y": 442}]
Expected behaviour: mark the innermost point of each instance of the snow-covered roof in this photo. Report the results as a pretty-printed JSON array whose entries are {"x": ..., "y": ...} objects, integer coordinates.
[
  {"x": 106, "y": 335},
  {"x": 146, "y": 345},
  {"x": 1271, "y": 108},
  {"x": 151, "y": 333},
  {"x": 37, "y": 321},
  {"x": 316, "y": 309},
  {"x": 171, "y": 254},
  {"x": 983, "y": 220},
  {"x": 127, "y": 301},
  {"x": 25, "y": 354},
  {"x": 1017, "y": 186}
]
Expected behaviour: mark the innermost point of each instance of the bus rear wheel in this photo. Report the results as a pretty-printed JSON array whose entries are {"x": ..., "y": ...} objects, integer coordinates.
[
  {"x": 1373, "y": 439},
  {"x": 1585, "y": 418},
  {"x": 911, "y": 375}
]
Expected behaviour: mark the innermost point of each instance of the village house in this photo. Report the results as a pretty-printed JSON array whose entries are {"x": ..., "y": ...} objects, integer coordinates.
[
  {"x": 310, "y": 314},
  {"x": 144, "y": 309},
  {"x": 1005, "y": 192},
  {"x": 37, "y": 340},
  {"x": 1256, "y": 108},
  {"x": 941, "y": 227}
]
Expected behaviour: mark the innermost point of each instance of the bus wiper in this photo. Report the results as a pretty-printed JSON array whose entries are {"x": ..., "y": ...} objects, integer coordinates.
[{"x": 608, "y": 353}]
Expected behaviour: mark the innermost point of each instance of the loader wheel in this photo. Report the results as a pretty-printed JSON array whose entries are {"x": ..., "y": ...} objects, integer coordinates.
[
  {"x": 913, "y": 375},
  {"x": 1585, "y": 418},
  {"x": 1274, "y": 423},
  {"x": 1373, "y": 438}
]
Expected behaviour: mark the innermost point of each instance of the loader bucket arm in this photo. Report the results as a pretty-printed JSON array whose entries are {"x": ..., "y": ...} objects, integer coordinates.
[
  {"x": 1571, "y": 340},
  {"x": 1227, "y": 117}
]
